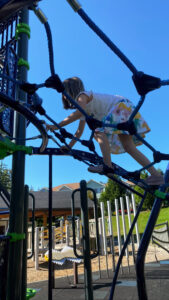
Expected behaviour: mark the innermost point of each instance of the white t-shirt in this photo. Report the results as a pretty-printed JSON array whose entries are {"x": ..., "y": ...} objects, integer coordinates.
[{"x": 100, "y": 105}]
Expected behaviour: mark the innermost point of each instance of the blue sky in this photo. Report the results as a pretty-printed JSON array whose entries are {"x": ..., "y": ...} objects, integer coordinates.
[{"x": 140, "y": 29}]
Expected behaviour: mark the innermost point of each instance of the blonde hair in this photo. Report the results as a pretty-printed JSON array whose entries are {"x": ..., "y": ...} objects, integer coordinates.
[{"x": 73, "y": 86}]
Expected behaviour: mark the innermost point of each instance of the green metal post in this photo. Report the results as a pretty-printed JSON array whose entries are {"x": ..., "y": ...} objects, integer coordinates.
[{"x": 14, "y": 280}]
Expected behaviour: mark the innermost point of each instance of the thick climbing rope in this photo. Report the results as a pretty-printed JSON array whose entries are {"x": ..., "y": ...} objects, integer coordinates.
[{"x": 144, "y": 83}]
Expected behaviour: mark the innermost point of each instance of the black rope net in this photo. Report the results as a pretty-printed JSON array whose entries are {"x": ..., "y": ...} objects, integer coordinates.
[
  {"x": 8, "y": 69},
  {"x": 9, "y": 62},
  {"x": 144, "y": 84}
]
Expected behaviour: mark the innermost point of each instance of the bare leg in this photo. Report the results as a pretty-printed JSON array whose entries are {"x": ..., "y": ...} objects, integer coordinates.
[
  {"x": 101, "y": 138},
  {"x": 130, "y": 148}
]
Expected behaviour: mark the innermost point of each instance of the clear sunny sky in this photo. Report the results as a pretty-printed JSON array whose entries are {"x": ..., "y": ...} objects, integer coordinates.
[{"x": 141, "y": 30}]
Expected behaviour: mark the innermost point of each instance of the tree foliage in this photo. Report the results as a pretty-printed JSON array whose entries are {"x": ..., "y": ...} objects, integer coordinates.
[
  {"x": 90, "y": 195},
  {"x": 149, "y": 200},
  {"x": 5, "y": 176},
  {"x": 112, "y": 191}
]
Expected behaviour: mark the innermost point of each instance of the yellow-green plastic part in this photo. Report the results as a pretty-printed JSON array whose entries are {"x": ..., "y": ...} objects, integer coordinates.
[
  {"x": 7, "y": 147},
  {"x": 30, "y": 293},
  {"x": 16, "y": 236},
  {"x": 22, "y": 28},
  {"x": 74, "y": 4},
  {"x": 22, "y": 62},
  {"x": 39, "y": 13}
]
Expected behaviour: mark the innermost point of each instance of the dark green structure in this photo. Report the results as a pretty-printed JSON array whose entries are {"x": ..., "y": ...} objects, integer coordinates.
[{"x": 16, "y": 281}]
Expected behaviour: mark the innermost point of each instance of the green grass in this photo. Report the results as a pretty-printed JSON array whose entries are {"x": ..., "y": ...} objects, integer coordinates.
[{"x": 142, "y": 220}]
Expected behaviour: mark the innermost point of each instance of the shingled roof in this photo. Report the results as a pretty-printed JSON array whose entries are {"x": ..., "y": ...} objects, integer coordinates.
[
  {"x": 75, "y": 185},
  {"x": 71, "y": 186},
  {"x": 61, "y": 200}
]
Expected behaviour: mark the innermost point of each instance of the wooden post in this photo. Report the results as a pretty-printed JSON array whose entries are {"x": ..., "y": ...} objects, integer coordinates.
[
  {"x": 45, "y": 220},
  {"x": 75, "y": 271}
]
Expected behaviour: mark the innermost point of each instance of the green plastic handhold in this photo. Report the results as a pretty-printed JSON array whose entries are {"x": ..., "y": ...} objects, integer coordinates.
[
  {"x": 30, "y": 293},
  {"x": 16, "y": 236},
  {"x": 7, "y": 147},
  {"x": 22, "y": 28},
  {"x": 22, "y": 62}
]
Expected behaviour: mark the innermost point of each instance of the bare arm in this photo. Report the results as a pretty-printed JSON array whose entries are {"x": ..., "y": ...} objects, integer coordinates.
[
  {"x": 71, "y": 118},
  {"x": 82, "y": 101},
  {"x": 78, "y": 132}
]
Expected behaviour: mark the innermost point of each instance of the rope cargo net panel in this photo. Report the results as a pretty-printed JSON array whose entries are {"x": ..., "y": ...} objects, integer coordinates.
[{"x": 9, "y": 62}]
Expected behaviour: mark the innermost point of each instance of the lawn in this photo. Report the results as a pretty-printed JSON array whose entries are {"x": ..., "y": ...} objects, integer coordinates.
[{"x": 142, "y": 220}]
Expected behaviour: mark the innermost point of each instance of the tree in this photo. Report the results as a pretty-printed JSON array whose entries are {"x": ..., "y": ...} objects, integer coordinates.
[
  {"x": 149, "y": 200},
  {"x": 5, "y": 176},
  {"x": 112, "y": 191}
]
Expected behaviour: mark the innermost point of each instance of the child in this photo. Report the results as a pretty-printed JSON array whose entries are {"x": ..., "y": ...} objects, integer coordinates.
[{"x": 110, "y": 109}]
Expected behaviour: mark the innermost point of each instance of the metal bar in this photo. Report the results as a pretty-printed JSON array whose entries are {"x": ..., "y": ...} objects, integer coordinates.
[
  {"x": 25, "y": 229},
  {"x": 33, "y": 226},
  {"x": 141, "y": 285},
  {"x": 136, "y": 226},
  {"x": 124, "y": 230},
  {"x": 104, "y": 236},
  {"x": 129, "y": 222},
  {"x": 86, "y": 242},
  {"x": 50, "y": 274},
  {"x": 111, "y": 234},
  {"x": 118, "y": 230},
  {"x": 124, "y": 247}
]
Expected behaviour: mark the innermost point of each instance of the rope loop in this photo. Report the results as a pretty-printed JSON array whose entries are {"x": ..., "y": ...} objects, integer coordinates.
[
  {"x": 145, "y": 83},
  {"x": 128, "y": 126},
  {"x": 93, "y": 123},
  {"x": 29, "y": 88},
  {"x": 55, "y": 83}
]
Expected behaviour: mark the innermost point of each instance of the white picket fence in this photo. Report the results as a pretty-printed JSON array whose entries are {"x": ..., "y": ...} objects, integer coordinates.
[
  {"x": 63, "y": 235},
  {"x": 106, "y": 231}
]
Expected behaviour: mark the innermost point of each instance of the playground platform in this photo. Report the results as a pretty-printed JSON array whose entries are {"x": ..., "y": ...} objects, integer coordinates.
[{"x": 157, "y": 283}]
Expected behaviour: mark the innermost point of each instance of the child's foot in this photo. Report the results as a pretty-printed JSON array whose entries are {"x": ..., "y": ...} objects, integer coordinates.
[
  {"x": 101, "y": 169},
  {"x": 154, "y": 180},
  {"x": 96, "y": 169}
]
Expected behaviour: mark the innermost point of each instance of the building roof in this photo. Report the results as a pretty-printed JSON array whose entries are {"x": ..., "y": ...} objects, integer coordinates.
[
  {"x": 61, "y": 200},
  {"x": 98, "y": 182},
  {"x": 76, "y": 185},
  {"x": 71, "y": 186}
]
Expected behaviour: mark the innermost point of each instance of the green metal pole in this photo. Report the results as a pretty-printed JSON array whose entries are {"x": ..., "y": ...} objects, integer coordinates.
[{"x": 14, "y": 279}]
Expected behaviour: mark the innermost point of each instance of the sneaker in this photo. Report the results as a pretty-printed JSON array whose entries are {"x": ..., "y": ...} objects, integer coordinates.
[
  {"x": 154, "y": 180},
  {"x": 101, "y": 169},
  {"x": 96, "y": 169}
]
